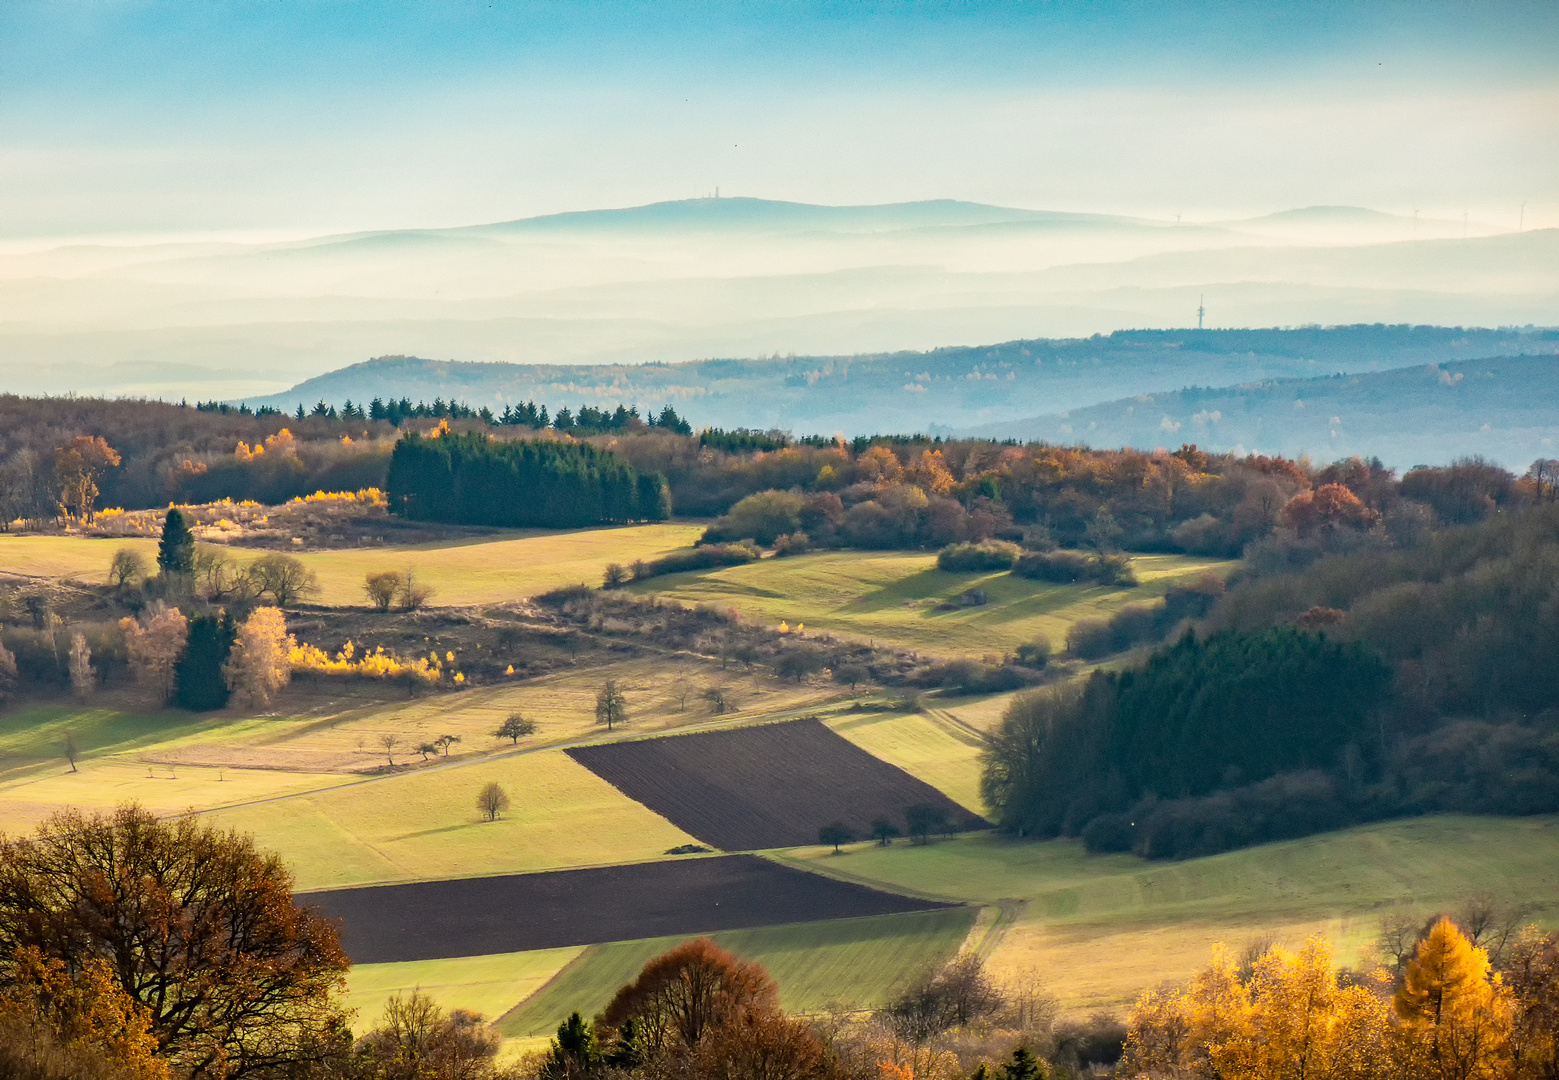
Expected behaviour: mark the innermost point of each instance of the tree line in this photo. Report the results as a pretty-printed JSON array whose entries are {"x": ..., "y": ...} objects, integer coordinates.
[{"x": 473, "y": 480}]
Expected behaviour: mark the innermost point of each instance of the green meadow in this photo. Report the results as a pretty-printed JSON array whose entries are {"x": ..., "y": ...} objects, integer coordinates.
[{"x": 903, "y": 598}]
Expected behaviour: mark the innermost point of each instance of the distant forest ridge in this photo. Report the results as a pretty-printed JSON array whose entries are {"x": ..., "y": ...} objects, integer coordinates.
[{"x": 1038, "y": 388}]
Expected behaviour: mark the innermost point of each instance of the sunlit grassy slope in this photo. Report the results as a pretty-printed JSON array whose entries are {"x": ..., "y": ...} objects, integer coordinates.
[
  {"x": 854, "y": 962},
  {"x": 484, "y": 571},
  {"x": 894, "y": 596},
  {"x": 932, "y": 746},
  {"x": 1104, "y": 927},
  {"x": 490, "y": 985},
  {"x": 425, "y": 824}
]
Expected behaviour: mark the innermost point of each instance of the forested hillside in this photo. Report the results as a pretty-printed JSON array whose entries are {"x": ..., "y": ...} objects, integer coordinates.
[{"x": 1348, "y": 675}]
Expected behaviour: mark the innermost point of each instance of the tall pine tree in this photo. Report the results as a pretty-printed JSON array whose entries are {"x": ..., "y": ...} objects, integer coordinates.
[
  {"x": 176, "y": 549},
  {"x": 201, "y": 686}
]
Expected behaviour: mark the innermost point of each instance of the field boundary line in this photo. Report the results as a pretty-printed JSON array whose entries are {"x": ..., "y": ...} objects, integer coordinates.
[
  {"x": 813, "y": 865},
  {"x": 578, "y": 960}
]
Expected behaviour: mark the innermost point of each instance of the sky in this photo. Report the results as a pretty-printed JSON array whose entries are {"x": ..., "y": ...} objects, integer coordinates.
[{"x": 124, "y": 119}]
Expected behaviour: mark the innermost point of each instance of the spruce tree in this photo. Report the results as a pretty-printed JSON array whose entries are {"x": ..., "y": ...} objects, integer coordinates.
[
  {"x": 176, "y": 549},
  {"x": 201, "y": 686}
]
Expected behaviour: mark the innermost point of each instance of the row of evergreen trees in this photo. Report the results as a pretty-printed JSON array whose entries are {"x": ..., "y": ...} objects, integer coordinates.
[{"x": 475, "y": 480}]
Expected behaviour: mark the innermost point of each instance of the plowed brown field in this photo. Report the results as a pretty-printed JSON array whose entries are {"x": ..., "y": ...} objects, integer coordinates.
[
  {"x": 430, "y": 920},
  {"x": 769, "y": 786}
]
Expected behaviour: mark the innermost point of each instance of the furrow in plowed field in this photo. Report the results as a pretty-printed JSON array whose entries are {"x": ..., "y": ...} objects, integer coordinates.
[
  {"x": 769, "y": 786},
  {"x": 431, "y": 920}
]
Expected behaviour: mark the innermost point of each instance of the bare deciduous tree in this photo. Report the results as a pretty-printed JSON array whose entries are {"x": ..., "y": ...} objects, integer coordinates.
[
  {"x": 127, "y": 567},
  {"x": 719, "y": 700},
  {"x": 389, "y": 740},
  {"x": 413, "y": 595},
  {"x": 83, "y": 676},
  {"x": 611, "y": 708},
  {"x": 444, "y": 742},
  {"x": 382, "y": 588},
  {"x": 493, "y": 800},
  {"x": 72, "y": 751},
  {"x": 283, "y": 578},
  {"x": 515, "y": 728}
]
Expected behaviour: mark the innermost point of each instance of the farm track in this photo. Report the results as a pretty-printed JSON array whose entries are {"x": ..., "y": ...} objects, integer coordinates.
[
  {"x": 763, "y": 786},
  {"x": 432, "y": 920}
]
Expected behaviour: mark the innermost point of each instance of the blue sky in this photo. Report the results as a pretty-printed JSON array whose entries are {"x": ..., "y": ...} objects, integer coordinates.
[{"x": 122, "y": 118}]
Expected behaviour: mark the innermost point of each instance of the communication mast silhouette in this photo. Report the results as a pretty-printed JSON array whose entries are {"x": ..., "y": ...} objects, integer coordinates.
[{"x": 1201, "y": 309}]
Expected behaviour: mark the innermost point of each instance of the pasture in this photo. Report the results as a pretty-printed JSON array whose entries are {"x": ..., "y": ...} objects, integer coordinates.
[
  {"x": 856, "y": 963},
  {"x": 431, "y": 920},
  {"x": 483, "y": 570},
  {"x": 490, "y": 985},
  {"x": 903, "y": 598},
  {"x": 1101, "y": 928},
  {"x": 763, "y": 786},
  {"x": 931, "y": 746},
  {"x": 425, "y": 824}
]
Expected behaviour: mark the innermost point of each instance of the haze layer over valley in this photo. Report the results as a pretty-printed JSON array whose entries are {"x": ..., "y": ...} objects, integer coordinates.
[{"x": 733, "y": 277}]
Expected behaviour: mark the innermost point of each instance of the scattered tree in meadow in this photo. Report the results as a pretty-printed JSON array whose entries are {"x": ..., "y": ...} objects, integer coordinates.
[
  {"x": 200, "y": 927},
  {"x": 154, "y": 645},
  {"x": 835, "y": 834},
  {"x": 515, "y": 728},
  {"x": 851, "y": 675},
  {"x": 382, "y": 587},
  {"x": 883, "y": 831},
  {"x": 614, "y": 577},
  {"x": 72, "y": 751},
  {"x": 413, "y": 594},
  {"x": 681, "y": 690},
  {"x": 77, "y": 466},
  {"x": 924, "y": 819},
  {"x": 258, "y": 664},
  {"x": 444, "y": 742},
  {"x": 611, "y": 708},
  {"x": 492, "y": 800},
  {"x": 283, "y": 578},
  {"x": 719, "y": 700},
  {"x": 176, "y": 548},
  {"x": 201, "y": 672},
  {"x": 83, "y": 676},
  {"x": 427, "y": 750},
  {"x": 127, "y": 568},
  {"x": 389, "y": 740}
]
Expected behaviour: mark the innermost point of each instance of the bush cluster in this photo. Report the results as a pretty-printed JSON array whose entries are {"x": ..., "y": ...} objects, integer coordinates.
[
  {"x": 1070, "y": 567},
  {"x": 980, "y": 556}
]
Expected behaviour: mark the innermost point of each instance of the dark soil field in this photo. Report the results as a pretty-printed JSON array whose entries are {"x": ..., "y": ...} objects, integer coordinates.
[
  {"x": 431, "y": 920},
  {"x": 768, "y": 786}
]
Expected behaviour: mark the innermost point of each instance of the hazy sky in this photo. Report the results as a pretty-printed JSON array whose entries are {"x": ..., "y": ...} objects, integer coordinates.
[{"x": 128, "y": 118}]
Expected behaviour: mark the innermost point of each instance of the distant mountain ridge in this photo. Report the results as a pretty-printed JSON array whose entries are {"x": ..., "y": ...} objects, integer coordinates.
[
  {"x": 987, "y": 389},
  {"x": 1503, "y": 408}
]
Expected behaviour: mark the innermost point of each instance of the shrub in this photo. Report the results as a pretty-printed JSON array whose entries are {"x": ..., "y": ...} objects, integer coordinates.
[
  {"x": 764, "y": 517},
  {"x": 1034, "y": 654},
  {"x": 1070, "y": 567},
  {"x": 702, "y": 557},
  {"x": 985, "y": 555}
]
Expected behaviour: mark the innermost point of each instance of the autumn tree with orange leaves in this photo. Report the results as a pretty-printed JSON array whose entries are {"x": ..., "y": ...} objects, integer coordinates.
[
  {"x": 199, "y": 930},
  {"x": 77, "y": 466}
]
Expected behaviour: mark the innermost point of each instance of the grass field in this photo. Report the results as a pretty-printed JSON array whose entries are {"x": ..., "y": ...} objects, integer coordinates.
[
  {"x": 853, "y": 962},
  {"x": 893, "y": 596},
  {"x": 1103, "y": 927},
  {"x": 490, "y": 985},
  {"x": 931, "y": 746},
  {"x": 425, "y": 824},
  {"x": 485, "y": 571}
]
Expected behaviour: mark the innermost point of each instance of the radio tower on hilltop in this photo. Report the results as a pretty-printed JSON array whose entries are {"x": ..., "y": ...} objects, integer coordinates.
[{"x": 1201, "y": 309}]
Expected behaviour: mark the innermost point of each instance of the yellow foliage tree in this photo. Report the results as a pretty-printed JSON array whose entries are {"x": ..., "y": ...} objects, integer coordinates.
[
  {"x": 260, "y": 663},
  {"x": 1456, "y": 1018},
  {"x": 85, "y": 1010}
]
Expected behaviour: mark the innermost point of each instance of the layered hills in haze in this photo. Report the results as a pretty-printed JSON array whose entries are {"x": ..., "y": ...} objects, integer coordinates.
[{"x": 677, "y": 281}]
